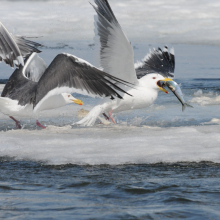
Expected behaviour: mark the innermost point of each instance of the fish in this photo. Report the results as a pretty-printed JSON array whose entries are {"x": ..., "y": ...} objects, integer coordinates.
[{"x": 174, "y": 87}]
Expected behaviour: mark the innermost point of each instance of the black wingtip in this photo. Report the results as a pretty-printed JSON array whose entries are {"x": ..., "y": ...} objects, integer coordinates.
[{"x": 158, "y": 61}]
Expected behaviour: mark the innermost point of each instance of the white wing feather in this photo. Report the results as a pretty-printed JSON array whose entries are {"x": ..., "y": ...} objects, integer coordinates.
[{"x": 116, "y": 53}]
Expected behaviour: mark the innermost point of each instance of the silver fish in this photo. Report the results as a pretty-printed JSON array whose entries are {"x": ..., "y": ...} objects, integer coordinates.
[{"x": 174, "y": 87}]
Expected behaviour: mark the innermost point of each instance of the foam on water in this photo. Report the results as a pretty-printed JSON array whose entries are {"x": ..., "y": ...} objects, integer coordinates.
[
  {"x": 205, "y": 99},
  {"x": 213, "y": 121},
  {"x": 151, "y": 21}
]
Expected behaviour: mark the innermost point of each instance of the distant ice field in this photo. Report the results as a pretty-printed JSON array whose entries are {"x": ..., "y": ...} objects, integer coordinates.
[{"x": 180, "y": 21}]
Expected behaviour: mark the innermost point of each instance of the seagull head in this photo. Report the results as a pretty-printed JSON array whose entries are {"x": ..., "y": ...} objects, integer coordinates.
[
  {"x": 162, "y": 83},
  {"x": 70, "y": 99},
  {"x": 157, "y": 81}
]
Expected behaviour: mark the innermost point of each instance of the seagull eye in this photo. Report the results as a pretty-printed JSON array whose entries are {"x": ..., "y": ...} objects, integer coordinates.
[{"x": 154, "y": 78}]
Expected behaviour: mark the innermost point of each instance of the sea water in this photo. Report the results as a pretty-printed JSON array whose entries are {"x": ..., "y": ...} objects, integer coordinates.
[{"x": 156, "y": 163}]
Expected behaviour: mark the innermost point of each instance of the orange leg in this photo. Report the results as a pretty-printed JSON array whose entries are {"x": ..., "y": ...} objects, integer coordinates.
[
  {"x": 18, "y": 125},
  {"x": 106, "y": 116},
  {"x": 110, "y": 116},
  {"x": 39, "y": 124}
]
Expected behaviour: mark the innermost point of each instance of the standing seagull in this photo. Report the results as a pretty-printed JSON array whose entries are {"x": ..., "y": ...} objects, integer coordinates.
[
  {"x": 17, "y": 96},
  {"x": 116, "y": 57}
]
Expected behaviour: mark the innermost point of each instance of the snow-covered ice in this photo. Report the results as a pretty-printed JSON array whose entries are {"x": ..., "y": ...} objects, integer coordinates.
[{"x": 113, "y": 145}]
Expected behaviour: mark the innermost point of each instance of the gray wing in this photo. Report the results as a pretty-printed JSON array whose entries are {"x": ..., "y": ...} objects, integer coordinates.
[
  {"x": 68, "y": 73},
  {"x": 22, "y": 84},
  {"x": 157, "y": 61},
  {"x": 14, "y": 48},
  {"x": 20, "y": 88},
  {"x": 27, "y": 46}
]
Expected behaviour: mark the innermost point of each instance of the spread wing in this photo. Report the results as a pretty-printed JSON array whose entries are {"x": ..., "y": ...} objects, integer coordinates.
[
  {"x": 26, "y": 46},
  {"x": 157, "y": 61},
  {"x": 19, "y": 87},
  {"x": 68, "y": 73},
  {"x": 14, "y": 48},
  {"x": 22, "y": 84},
  {"x": 116, "y": 54},
  {"x": 34, "y": 67}
]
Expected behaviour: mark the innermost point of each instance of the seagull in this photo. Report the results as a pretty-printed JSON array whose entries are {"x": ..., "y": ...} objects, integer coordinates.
[
  {"x": 13, "y": 49},
  {"x": 116, "y": 58},
  {"x": 16, "y": 97}
]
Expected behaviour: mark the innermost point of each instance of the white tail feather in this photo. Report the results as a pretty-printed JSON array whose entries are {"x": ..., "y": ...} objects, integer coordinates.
[
  {"x": 91, "y": 117},
  {"x": 172, "y": 51},
  {"x": 20, "y": 60}
]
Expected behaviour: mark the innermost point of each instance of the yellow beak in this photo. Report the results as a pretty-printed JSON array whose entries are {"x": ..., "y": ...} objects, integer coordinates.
[
  {"x": 164, "y": 90},
  {"x": 165, "y": 80},
  {"x": 77, "y": 101}
]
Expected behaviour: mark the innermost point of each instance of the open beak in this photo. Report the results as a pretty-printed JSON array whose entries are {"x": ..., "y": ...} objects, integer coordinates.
[
  {"x": 161, "y": 84},
  {"x": 77, "y": 101}
]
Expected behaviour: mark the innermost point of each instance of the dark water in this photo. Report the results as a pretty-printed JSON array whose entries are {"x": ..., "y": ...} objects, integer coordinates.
[{"x": 30, "y": 190}]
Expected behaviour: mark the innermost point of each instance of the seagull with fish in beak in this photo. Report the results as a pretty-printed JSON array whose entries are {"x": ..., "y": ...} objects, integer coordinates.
[{"x": 116, "y": 58}]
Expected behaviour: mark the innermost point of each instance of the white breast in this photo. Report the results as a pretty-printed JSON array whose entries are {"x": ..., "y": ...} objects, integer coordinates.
[
  {"x": 141, "y": 98},
  {"x": 11, "y": 108}
]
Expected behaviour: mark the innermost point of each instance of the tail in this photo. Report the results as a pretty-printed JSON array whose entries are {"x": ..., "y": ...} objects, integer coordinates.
[
  {"x": 91, "y": 117},
  {"x": 186, "y": 105}
]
